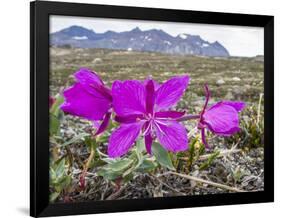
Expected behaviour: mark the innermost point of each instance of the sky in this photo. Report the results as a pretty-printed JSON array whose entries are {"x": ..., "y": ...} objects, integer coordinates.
[{"x": 238, "y": 40}]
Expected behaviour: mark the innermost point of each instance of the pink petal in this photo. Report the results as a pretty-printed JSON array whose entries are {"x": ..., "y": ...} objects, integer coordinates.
[
  {"x": 96, "y": 123},
  {"x": 170, "y": 92},
  {"x": 102, "y": 127},
  {"x": 238, "y": 105},
  {"x": 155, "y": 83},
  {"x": 148, "y": 142},
  {"x": 129, "y": 118},
  {"x": 150, "y": 97},
  {"x": 172, "y": 136},
  {"x": 91, "y": 82},
  {"x": 102, "y": 90},
  {"x": 128, "y": 97},
  {"x": 80, "y": 102},
  {"x": 204, "y": 140},
  {"x": 86, "y": 77},
  {"x": 169, "y": 114},
  {"x": 122, "y": 139},
  {"x": 222, "y": 119}
]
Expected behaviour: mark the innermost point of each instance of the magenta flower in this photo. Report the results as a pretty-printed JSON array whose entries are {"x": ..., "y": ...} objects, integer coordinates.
[
  {"x": 221, "y": 118},
  {"x": 141, "y": 107},
  {"x": 89, "y": 98}
]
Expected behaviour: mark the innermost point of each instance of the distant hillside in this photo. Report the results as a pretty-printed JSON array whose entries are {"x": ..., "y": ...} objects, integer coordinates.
[{"x": 150, "y": 40}]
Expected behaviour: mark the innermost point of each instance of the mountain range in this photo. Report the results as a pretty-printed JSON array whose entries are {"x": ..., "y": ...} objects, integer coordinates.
[{"x": 153, "y": 40}]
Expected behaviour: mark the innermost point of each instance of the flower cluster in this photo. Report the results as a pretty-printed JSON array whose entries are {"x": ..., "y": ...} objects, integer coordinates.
[{"x": 144, "y": 108}]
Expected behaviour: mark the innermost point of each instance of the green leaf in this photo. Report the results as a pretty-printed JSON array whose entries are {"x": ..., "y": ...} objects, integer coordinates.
[
  {"x": 140, "y": 147},
  {"x": 116, "y": 169},
  {"x": 65, "y": 181},
  {"x": 91, "y": 142},
  {"x": 129, "y": 171},
  {"x": 191, "y": 150},
  {"x": 210, "y": 160},
  {"x": 191, "y": 154},
  {"x": 162, "y": 156},
  {"x": 128, "y": 178},
  {"x": 108, "y": 160},
  {"x": 147, "y": 166},
  {"x": 57, "y": 188},
  {"x": 201, "y": 149},
  {"x": 60, "y": 168},
  {"x": 55, "y": 109},
  {"x": 108, "y": 174},
  {"x": 97, "y": 163},
  {"x": 53, "y": 196},
  {"x": 75, "y": 139},
  {"x": 237, "y": 174},
  {"x": 54, "y": 125},
  {"x": 103, "y": 138},
  {"x": 120, "y": 165},
  {"x": 53, "y": 174},
  {"x": 137, "y": 154}
]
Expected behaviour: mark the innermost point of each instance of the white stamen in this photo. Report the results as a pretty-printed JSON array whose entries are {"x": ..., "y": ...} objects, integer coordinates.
[
  {"x": 148, "y": 129},
  {"x": 162, "y": 123},
  {"x": 159, "y": 128}
]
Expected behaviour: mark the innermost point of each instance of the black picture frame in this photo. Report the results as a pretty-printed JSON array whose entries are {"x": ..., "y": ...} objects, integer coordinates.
[{"x": 39, "y": 107}]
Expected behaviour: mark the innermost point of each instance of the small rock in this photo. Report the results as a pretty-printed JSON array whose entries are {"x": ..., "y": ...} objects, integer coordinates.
[
  {"x": 97, "y": 61},
  {"x": 220, "y": 82},
  {"x": 236, "y": 79},
  {"x": 166, "y": 73},
  {"x": 229, "y": 96}
]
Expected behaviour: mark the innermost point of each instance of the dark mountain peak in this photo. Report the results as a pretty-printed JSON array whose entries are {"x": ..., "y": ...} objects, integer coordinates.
[
  {"x": 76, "y": 27},
  {"x": 109, "y": 32},
  {"x": 77, "y": 31},
  {"x": 159, "y": 34},
  {"x": 195, "y": 37},
  {"x": 136, "y": 30},
  {"x": 192, "y": 38},
  {"x": 217, "y": 44},
  {"x": 156, "y": 31},
  {"x": 183, "y": 36},
  {"x": 153, "y": 30}
]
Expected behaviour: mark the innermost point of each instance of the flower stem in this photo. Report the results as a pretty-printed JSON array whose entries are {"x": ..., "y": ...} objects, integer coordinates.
[
  {"x": 86, "y": 167},
  {"x": 223, "y": 153},
  {"x": 259, "y": 108},
  {"x": 188, "y": 117},
  {"x": 207, "y": 96},
  {"x": 196, "y": 179}
]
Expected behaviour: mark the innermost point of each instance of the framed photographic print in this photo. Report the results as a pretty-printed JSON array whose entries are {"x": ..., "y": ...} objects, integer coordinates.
[{"x": 141, "y": 109}]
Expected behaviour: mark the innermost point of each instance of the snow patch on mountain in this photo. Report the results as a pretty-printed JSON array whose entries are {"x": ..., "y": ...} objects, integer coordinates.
[
  {"x": 183, "y": 36},
  {"x": 80, "y": 37}
]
